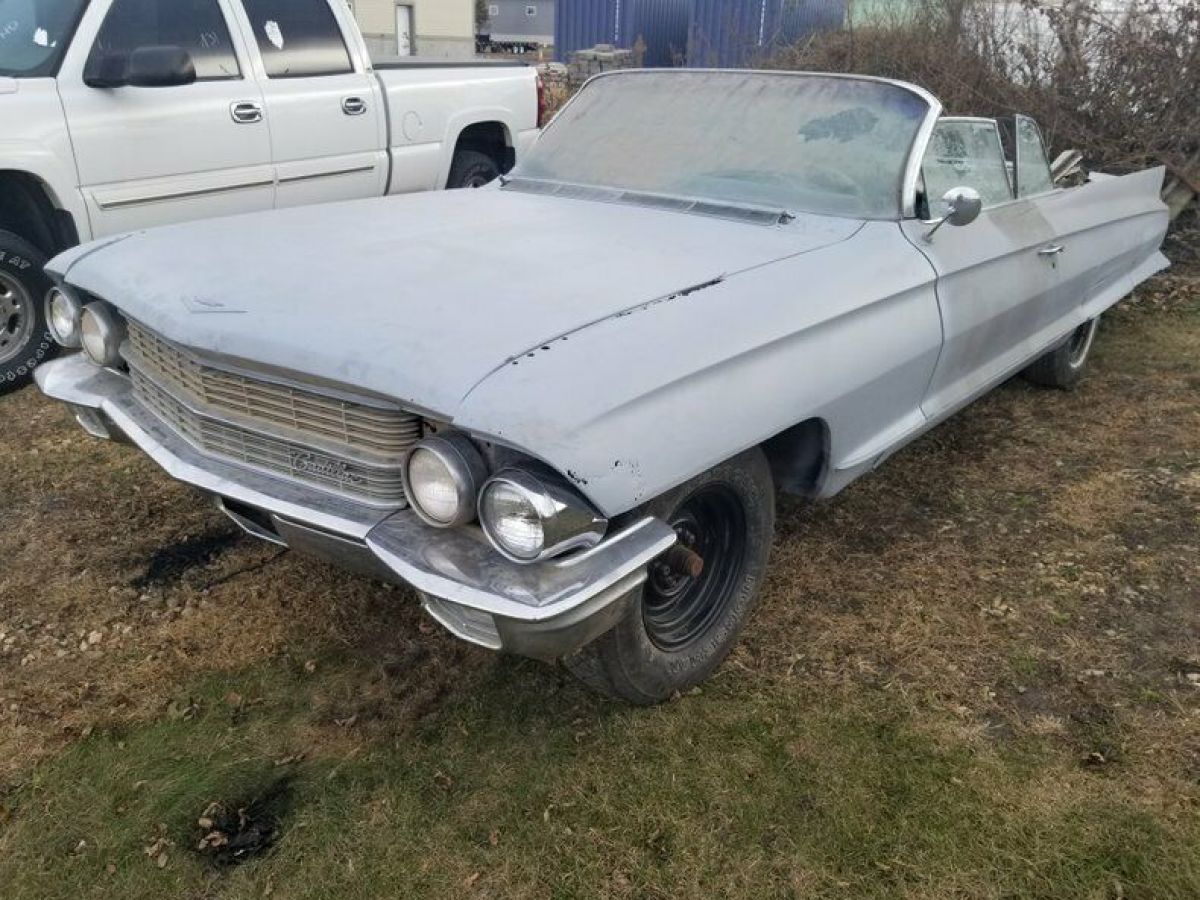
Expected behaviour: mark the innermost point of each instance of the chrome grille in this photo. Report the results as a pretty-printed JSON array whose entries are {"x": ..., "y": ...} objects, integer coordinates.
[
  {"x": 329, "y": 442},
  {"x": 377, "y": 429}
]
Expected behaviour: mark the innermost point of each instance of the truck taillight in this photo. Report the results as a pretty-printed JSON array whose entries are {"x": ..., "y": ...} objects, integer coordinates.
[{"x": 541, "y": 94}]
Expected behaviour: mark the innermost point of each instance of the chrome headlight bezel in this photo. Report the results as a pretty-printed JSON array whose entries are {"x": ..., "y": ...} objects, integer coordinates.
[
  {"x": 568, "y": 521},
  {"x": 464, "y": 466},
  {"x": 64, "y": 308},
  {"x": 102, "y": 331}
]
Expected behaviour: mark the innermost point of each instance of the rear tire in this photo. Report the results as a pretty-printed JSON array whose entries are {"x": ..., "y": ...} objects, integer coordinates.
[
  {"x": 471, "y": 169},
  {"x": 1063, "y": 366},
  {"x": 25, "y": 341},
  {"x": 680, "y": 627}
]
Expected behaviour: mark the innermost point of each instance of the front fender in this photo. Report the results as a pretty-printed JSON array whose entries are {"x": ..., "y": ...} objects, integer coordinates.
[
  {"x": 34, "y": 141},
  {"x": 639, "y": 403}
]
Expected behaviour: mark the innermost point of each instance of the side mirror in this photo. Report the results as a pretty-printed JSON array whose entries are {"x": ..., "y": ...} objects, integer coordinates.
[
  {"x": 150, "y": 67},
  {"x": 160, "y": 67},
  {"x": 963, "y": 207},
  {"x": 108, "y": 70}
]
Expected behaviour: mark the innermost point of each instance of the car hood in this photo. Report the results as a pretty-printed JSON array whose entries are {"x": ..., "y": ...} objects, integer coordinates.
[{"x": 419, "y": 298}]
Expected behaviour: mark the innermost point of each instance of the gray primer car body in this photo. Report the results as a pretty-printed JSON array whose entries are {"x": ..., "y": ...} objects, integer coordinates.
[
  {"x": 729, "y": 333},
  {"x": 627, "y": 344}
]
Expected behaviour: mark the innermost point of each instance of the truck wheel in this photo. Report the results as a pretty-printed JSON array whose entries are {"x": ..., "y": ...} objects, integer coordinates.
[
  {"x": 686, "y": 616},
  {"x": 1063, "y": 366},
  {"x": 471, "y": 169},
  {"x": 25, "y": 341}
]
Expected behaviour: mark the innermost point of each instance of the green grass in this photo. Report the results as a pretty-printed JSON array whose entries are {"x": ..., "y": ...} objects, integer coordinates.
[{"x": 531, "y": 788}]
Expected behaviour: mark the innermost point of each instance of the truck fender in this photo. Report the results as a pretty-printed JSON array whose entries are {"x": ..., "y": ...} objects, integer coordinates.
[
  {"x": 459, "y": 123},
  {"x": 57, "y": 180}
]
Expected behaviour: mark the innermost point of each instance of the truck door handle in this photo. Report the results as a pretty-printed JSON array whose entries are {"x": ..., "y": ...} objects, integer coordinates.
[
  {"x": 354, "y": 106},
  {"x": 246, "y": 113},
  {"x": 1051, "y": 250}
]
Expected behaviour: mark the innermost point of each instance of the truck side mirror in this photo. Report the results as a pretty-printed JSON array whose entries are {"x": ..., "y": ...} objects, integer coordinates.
[
  {"x": 166, "y": 66},
  {"x": 106, "y": 70}
]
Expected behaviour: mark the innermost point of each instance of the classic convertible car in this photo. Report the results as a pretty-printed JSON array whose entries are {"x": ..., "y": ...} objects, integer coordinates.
[{"x": 560, "y": 407}]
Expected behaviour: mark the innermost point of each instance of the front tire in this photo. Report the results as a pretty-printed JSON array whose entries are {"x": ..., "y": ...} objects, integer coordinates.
[
  {"x": 25, "y": 341},
  {"x": 471, "y": 169},
  {"x": 1063, "y": 366},
  {"x": 681, "y": 625}
]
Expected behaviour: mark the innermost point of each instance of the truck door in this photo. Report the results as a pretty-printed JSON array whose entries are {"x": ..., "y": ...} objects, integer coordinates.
[
  {"x": 323, "y": 102},
  {"x": 154, "y": 155}
]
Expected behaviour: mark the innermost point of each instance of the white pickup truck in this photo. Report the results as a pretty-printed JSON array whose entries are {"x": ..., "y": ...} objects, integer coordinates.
[{"x": 118, "y": 115}]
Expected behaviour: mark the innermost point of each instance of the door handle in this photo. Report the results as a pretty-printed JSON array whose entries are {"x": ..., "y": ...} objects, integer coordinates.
[
  {"x": 246, "y": 113},
  {"x": 354, "y": 106},
  {"x": 1051, "y": 250}
]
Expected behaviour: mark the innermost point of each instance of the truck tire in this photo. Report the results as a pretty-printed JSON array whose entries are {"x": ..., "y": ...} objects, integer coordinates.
[
  {"x": 1063, "y": 366},
  {"x": 680, "y": 625},
  {"x": 25, "y": 341},
  {"x": 471, "y": 169}
]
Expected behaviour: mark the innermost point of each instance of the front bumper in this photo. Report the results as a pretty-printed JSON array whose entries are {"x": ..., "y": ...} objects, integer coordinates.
[{"x": 545, "y": 610}]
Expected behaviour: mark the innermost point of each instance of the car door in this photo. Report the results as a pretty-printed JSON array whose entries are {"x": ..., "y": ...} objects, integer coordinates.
[
  {"x": 324, "y": 106},
  {"x": 1091, "y": 249},
  {"x": 992, "y": 277},
  {"x": 154, "y": 155}
]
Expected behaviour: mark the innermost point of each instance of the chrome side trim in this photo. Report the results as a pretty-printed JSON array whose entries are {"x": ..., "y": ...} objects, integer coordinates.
[
  {"x": 333, "y": 173},
  {"x": 182, "y": 195},
  {"x": 916, "y": 153}
]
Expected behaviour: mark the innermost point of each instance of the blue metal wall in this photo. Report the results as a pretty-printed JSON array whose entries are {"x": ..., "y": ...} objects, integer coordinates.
[
  {"x": 582, "y": 24},
  {"x": 663, "y": 27},
  {"x": 696, "y": 32},
  {"x": 728, "y": 33}
]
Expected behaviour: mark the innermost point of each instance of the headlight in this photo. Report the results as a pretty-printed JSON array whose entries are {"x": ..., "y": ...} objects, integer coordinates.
[
  {"x": 531, "y": 515},
  {"x": 63, "y": 314},
  {"x": 102, "y": 332},
  {"x": 442, "y": 476}
]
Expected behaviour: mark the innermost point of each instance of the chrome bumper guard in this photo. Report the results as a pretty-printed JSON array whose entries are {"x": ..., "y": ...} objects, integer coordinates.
[{"x": 545, "y": 610}]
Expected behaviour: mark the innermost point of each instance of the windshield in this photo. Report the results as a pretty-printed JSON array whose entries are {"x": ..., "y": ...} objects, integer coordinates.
[
  {"x": 34, "y": 35},
  {"x": 812, "y": 143}
]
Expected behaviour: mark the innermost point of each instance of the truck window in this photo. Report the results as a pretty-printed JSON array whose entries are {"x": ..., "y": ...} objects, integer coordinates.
[
  {"x": 298, "y": 38},
  {"x": 198, "y": 26},
  {"x": 34, "y": 35}
]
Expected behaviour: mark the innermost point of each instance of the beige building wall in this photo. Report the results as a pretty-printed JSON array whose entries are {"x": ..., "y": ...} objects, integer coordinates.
[{"x": 444, "y": 28}]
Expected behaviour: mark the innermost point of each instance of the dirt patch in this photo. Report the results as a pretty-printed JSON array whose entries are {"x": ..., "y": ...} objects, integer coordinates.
[{"x": 229, "y": 833}]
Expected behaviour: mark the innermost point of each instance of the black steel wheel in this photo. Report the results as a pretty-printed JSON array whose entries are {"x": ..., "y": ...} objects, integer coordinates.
[
  {"x": 685, "y": 618},
  {"x": 678, "y": 607}
]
